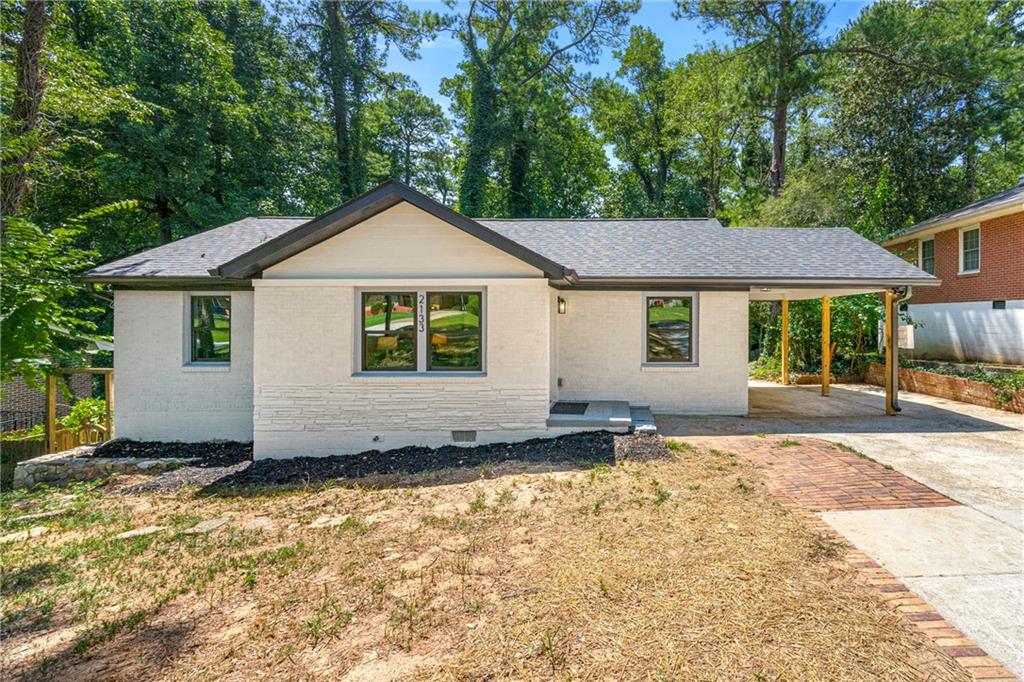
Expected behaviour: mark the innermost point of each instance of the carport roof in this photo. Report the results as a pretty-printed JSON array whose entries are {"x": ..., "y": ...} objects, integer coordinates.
[{"x": 571, "y": 252}]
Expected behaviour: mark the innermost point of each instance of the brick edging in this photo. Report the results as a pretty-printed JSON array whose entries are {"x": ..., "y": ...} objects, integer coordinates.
[{"x": 915, "y": 610}]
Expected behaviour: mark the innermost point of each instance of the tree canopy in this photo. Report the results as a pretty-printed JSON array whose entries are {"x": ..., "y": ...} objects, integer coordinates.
[{"x": 126, "y": 124}]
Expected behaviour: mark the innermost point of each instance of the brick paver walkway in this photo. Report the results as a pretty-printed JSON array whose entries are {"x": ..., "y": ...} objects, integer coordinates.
[{"x": 821, "y": 476}]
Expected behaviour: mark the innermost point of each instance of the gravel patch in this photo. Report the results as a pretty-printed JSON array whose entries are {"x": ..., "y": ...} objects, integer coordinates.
[{"x": 596, "y": 447}]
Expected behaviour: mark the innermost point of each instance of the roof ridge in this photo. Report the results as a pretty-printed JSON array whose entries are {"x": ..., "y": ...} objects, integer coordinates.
[
  {"x": 593, "y": 220},
  {"x": 279, "y": 217}
]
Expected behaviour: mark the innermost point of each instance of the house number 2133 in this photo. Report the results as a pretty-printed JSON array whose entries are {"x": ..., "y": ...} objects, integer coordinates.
[{"x": 421, "y": 320}]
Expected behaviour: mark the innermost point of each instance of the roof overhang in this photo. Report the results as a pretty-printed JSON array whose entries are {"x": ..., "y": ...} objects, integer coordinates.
[
  {"x": 144, "y": 282},
  {"x": 850, "y": 286},
  {"x": 351, "y": 213},
  {"x": 928, "y": 229}
]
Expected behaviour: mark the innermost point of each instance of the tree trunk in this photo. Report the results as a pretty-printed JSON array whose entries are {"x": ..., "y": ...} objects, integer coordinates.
[
  {"x": 777, "y": 173},
  {"x": 407, "y": 170},
  {"x": 518, "y": 167},
  {"x": 336, "y": 38},
  {"x": 31, "y": 82},
  {"x": 971, "y": 150},
  {"x": 478, "y": 153}
]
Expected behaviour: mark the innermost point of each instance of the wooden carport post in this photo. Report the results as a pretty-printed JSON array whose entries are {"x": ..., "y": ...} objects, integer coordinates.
[
  {"x": 826, "y": 344},
  {"x": 891, "y": 377},
  {"x": 51, "y": 413},
  {"x": 785, "y": 342}
]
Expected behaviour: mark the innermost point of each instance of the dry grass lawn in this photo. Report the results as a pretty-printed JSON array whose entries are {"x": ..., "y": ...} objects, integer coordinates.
[{"x": 673, "y": 569}]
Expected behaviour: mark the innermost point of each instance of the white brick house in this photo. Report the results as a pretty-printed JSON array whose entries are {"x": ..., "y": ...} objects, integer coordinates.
[{"x": 393, "y": 320}]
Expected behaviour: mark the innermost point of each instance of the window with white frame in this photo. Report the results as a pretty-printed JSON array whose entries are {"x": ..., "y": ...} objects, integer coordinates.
[
  {"x": 970, "y": 250},
  {"x": 422, "y": 331},
  {"x": 669, "y": 328},
  {"x": 210, "y": 329},
  {"x": 926, "y": 257}
]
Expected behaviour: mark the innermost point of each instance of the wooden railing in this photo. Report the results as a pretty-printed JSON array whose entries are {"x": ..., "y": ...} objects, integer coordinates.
[{"x": 57, "y": 439}]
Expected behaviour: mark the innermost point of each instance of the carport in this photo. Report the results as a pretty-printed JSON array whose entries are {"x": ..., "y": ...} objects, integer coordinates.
[{"x": 892, "y": 296}]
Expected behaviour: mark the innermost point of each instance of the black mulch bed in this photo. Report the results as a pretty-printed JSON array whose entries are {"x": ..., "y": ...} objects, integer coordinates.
[
  {"x": 212, "y": 453},
  {"x": 579, "y": 448}
]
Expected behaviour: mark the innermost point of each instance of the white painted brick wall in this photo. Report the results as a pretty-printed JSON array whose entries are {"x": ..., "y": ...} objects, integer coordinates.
[
  {"x": 309, "y": 402},
  {"x": 969, "y": 331},
  {"x": 599, "y": 342},
  {"x": 158, "y": 397}
]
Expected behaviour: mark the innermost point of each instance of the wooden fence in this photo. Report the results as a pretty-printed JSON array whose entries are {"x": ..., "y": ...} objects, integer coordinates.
[{"x": 58, "y": 439}]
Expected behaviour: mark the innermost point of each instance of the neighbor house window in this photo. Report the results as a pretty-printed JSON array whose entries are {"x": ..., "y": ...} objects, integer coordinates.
[
  {"x": 669, "y": 329},
  {"x": 211, "y": 329},
  {"x": 455, "y": 342},
  {"x": 389, "y": 331},
  {"x": 970, "y": 250},
  {"x": 928, "y": 256}
]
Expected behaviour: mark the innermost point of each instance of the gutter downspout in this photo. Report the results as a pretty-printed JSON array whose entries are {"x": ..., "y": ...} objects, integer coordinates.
[{"x": 908, "y": 291}]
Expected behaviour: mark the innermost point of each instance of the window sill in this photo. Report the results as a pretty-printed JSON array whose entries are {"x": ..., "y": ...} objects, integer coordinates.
[
  {"x": 669, "y": 366},
  {"x": 417, "y": 376},
  {"x": 211, "y": 367},
  {"x": 968, "y": 273}
]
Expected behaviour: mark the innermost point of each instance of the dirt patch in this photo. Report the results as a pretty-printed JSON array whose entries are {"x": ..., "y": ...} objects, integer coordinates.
[{"x": 677, "y": 568}]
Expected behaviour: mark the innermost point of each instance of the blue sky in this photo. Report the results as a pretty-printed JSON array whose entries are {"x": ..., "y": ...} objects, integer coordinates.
[{"x": 440, "y": 57}]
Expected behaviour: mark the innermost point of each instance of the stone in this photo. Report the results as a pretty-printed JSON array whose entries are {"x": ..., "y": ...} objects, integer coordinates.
[
  {"x": 261, "y": 523},
  {"x": 42, "y": 515},
  {"x": 330, "y": 521},
  {"x": 27, "y": 534},
  {"x": 206, "y": 526},
  {"x": 139, "y": 532}
]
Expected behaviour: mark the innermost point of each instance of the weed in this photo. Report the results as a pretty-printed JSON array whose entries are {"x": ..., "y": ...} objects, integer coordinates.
[
  {"x": 661, "y": 496},
  {"x": 327, "y": 619},
  {"x": 679, "y": 446},
  {"x": 744, "y": 487},
  {"x": 788, "y": 443},
  {"x": 249, "y": 579}
]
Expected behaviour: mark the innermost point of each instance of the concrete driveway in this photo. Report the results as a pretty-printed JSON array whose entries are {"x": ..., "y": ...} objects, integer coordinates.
[{"x": 966, "y": 561}]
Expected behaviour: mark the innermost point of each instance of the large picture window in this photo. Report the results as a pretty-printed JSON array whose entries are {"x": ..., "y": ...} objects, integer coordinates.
[
  {"x": 669, "y": 329},
  {"x": 455, "y": 342},
  {"x": 389, "y": 331},
  {"x": 211, "y": 329}
]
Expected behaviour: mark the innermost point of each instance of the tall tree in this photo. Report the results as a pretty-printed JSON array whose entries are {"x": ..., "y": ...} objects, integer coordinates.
[
  {"x": 781, "y": 39},
  {"x": 414, "y": 127},
  {"x": 513, "y": 43},
  {"x": 23, "y": 120}
]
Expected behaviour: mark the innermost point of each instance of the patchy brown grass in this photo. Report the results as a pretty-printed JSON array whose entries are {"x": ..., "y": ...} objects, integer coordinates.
[{"x": 659, "y": 570}]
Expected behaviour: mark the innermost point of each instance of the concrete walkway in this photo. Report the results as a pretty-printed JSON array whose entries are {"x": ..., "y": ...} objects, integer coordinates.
[{"x": 966, "y": 561}]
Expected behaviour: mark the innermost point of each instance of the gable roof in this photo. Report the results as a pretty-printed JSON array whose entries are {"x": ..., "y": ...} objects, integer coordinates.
[
  {"x": 675, "y": 251},
  {"x": 1001, "y": 203},
  {"x": 357, "y": 210}
]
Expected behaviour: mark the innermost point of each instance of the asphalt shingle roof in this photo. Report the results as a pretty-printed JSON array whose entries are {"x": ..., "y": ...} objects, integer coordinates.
[
  {"x": 675, "y": 249},
  {"x": 703, "y": 249},
  {"x": 194, "y": 256},
  {"x": 1014, "y": 195}
]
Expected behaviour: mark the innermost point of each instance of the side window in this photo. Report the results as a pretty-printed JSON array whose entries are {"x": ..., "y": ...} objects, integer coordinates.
[
  {"x": 669, "y": 329},
  {"x": 211, "y": 329},
  {"x": 455, "y": 340},
  {"x": 970, "y": 250},
  {"x": 928, "y": 256}
]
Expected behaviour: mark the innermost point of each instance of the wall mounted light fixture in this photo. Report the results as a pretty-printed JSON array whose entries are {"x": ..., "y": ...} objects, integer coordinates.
[{"x": 561, "y": 306}]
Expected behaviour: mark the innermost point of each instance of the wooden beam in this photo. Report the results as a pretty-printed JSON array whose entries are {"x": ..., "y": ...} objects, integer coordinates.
[
  {"x": 785, "y": 342},
  {"x": 108, "y": 396},
  {"x": 51, "y": 413},
  {"x": 826, "y": 344},
  {"x": 890, "y": 389}
]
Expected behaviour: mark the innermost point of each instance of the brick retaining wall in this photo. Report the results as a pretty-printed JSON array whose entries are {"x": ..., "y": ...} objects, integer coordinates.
[{"x": 946, "y": 386}]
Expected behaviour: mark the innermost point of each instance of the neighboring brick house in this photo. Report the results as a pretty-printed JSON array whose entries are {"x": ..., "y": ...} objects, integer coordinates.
[
  {"x": 978, "y": 252},
  {"x": 22, "y": 406}
]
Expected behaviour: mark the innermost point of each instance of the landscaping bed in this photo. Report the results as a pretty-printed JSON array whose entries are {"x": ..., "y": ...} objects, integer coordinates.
[
  {"x": 668, "y": 568},
  {"x": 212, "y": 453},
  {"x": 596, "y": 447}
]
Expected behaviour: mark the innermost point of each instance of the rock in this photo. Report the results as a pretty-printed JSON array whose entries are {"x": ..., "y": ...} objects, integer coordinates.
[
  {"x": 42, "y": 515},
  {"x": 22, "y": 535},
  {"x": 261, "y": 523},
  {"x": 330, "y": 521},
  {"x": 139, "y": 532},
  {"x": 206, "y": 526}
]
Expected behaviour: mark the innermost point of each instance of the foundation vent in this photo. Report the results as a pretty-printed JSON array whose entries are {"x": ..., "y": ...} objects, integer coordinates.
[{"x": 463, "y": 436}]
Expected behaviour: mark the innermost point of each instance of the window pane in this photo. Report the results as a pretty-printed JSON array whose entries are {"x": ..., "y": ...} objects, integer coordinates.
[
  {"x": 928, "y": 256},
  {"x": 668, "y": 329},
  {"x": 971, "y": 251},
  {"x": 211, "y": 329},
  {"x": 455, "y": 331},
  {"x": 389, "y": 331}
]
